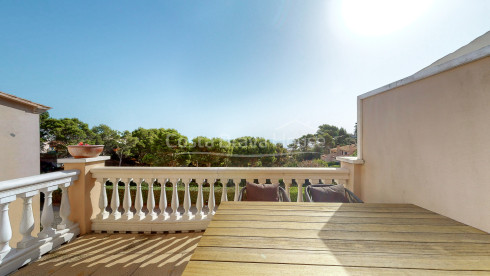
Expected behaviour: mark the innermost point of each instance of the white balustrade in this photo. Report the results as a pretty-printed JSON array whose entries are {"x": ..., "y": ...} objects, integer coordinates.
[
  {"x": 27, "y": 221},
  {"x": 237, "y": 188},
  {"x": 175, "y": 200},
  {"x": 224, "y": 195},
  {"x": 47, "y": 216},
  {"x": 103, "y": 214},
  {"x": 138, "y": 201},
  {"x": 115, "y": 200},
  {"x": 151, "y": 201},
  {"x": 192, "y": 215},
  {"x": 211, "y": 200},
  {"x": 200, "y": 200},
  {"x": 187, "y": 202},
  {"x": 127, "y": 215},
  {"x": 65, "y": 208},
  {"x": 32, "y": 248},
  {"x": 163, "y": 202}
]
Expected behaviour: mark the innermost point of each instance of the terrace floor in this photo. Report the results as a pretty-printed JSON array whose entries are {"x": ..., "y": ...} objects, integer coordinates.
[{"x": 118, "y": 254}]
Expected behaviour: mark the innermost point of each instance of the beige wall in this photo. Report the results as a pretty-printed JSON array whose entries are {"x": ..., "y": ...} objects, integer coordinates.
[
  {"x": 19, "y": 149},
  {"x": 428, "y": 143}
]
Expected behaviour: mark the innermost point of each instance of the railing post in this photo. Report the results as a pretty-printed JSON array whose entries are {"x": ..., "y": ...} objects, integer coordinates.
[
  {"x": 150, "y": 201},
  {"x": 175, "y": 200},
  {"x": 115, "y": 200},
  {"x": 162, "y": 204},
  {"x": 224, "y": 194},
  {"x": 27, "y": 221},
  {"x": 237, "y": 188},
  {"x": 300, "y": 190},
  {"x": 47, "y": 216},
  {"x": 5, "y": 227},
  {"x": 127, "y": 215},
  {"x": 65, "y": 208},
  {"x": 187, "y": 201},
  {"x": 200, "y": 200},
  {"x": 211, "y": 201},
  {"x": 353, "y": 164},
  {"x": 138, "y": 201},
  {"x": 103, "y": 214},
  {"x": 83, "y": 194}
]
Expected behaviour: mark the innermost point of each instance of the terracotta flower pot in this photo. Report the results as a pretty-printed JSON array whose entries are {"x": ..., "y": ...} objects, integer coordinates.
[{"x": 86, "y": 151}]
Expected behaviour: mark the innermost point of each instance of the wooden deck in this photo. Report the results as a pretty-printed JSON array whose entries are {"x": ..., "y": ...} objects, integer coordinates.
[
  {"x": 117, "y": 254},
  {"x": 259, "y": 238}
]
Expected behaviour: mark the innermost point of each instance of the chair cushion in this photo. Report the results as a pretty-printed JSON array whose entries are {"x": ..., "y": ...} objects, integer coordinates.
[
  {"x": 334, "y": 193},
  {"x": 262, "y": 192}
]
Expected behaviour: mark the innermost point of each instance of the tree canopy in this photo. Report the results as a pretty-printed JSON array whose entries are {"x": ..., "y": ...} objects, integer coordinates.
[{"x": 168, "y": 147}]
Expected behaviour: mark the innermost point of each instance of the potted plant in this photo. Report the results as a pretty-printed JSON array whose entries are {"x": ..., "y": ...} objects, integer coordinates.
[{"x": 85, "y": 150}]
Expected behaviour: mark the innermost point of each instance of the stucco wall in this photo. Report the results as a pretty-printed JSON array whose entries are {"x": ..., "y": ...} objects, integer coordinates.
[
  {"x": 428, "y": 143},
  {"x": 19, "y": 149}
]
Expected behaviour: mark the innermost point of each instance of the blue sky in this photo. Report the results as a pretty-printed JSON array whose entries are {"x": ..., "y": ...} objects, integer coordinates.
[{"x": 275, "y": 69}]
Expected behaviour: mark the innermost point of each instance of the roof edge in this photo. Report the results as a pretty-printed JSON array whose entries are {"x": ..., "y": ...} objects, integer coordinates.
[
  {"x": 425, "y": 73},
  {"x": 36, "y": 108}
]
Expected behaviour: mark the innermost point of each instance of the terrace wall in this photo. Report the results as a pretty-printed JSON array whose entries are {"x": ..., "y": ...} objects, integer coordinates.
[
  {"x": 428, "y": 143},
  {"x": 19, "y": 149}
]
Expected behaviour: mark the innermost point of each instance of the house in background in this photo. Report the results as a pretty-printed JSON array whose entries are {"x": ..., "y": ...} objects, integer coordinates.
[
  {"x": 19, "y": 142},
  {"x": 347, "y": 150}
]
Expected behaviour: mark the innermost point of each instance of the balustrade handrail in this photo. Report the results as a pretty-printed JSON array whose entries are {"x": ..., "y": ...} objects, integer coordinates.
[
  {"x": 35, "y": 182},
  {"x": 31, "y": 248},
  {"x": 220, "y": 172}
]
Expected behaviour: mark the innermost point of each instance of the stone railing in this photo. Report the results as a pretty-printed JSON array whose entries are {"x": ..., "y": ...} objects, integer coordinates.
[
  {"x": 31, "y": 248},
  {"x": 192, "y": 215}
]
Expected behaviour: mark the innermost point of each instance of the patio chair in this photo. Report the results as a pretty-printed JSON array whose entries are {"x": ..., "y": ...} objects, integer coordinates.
[
  {"x": 350, "y": 197},
  {"x": 283, "y": 196}
]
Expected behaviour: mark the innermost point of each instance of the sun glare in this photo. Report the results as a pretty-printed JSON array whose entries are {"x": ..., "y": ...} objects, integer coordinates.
[{"x": 380, "y": 17}]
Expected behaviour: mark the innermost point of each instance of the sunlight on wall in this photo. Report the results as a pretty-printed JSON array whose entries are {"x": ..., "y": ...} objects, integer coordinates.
[{"x": 380, "y": 17}]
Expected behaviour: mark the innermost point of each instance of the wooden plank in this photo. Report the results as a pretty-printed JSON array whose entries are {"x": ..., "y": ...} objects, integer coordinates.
[
  {"x": 336, "y": 219},
  {"x": 273, "y": 205},
  {"x": 346, "y": 235},
  {"x": 427, "y": 248},
  {"x": 412, "y": 209},
  {"x": 271, "y": 256},
  {"x": 328, "y": 214},
  {"x": 322, "y": 226},
  {"x": 198, "y": 268}
]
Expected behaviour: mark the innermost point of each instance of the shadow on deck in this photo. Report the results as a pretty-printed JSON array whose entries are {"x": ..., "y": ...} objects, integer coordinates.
[{"x": 118, "y": 254}]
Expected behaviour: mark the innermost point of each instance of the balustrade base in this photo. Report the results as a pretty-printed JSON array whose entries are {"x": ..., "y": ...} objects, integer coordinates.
[
  {"x": 157, "y": 226},
  {"x": 17, "y": 257}
]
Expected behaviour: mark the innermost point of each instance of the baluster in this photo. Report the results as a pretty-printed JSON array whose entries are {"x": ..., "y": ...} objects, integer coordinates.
[
  {"x": 211, "y": 201},
  {"x": 103, "y": 214},
  {"x": 47, "y": 217},
  {"x": 5, "y": 228},
  {"x": 27, "y": 221},
  {"x": 65, "y": 208},
  {"x": 150, "y": 201},
  {"x": 224, "y": 194},
  {"x": 237, "y": 188},
  {"x": 328, "y": 181},
  {"x": 175, "y": 200},
  {"x": 187, "y": 202},
  {"x": 200, "y": 200},
  {"x": 300, "y": 190},
  {"x": 128, "y": 214},
  {"x": 262, "y": 180},
  {"x": 287, "y": 186},
  {"x": 115, "y": 200},
  {"x": 138, "y": 201},
  {"x": 163, "y": 202}
]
